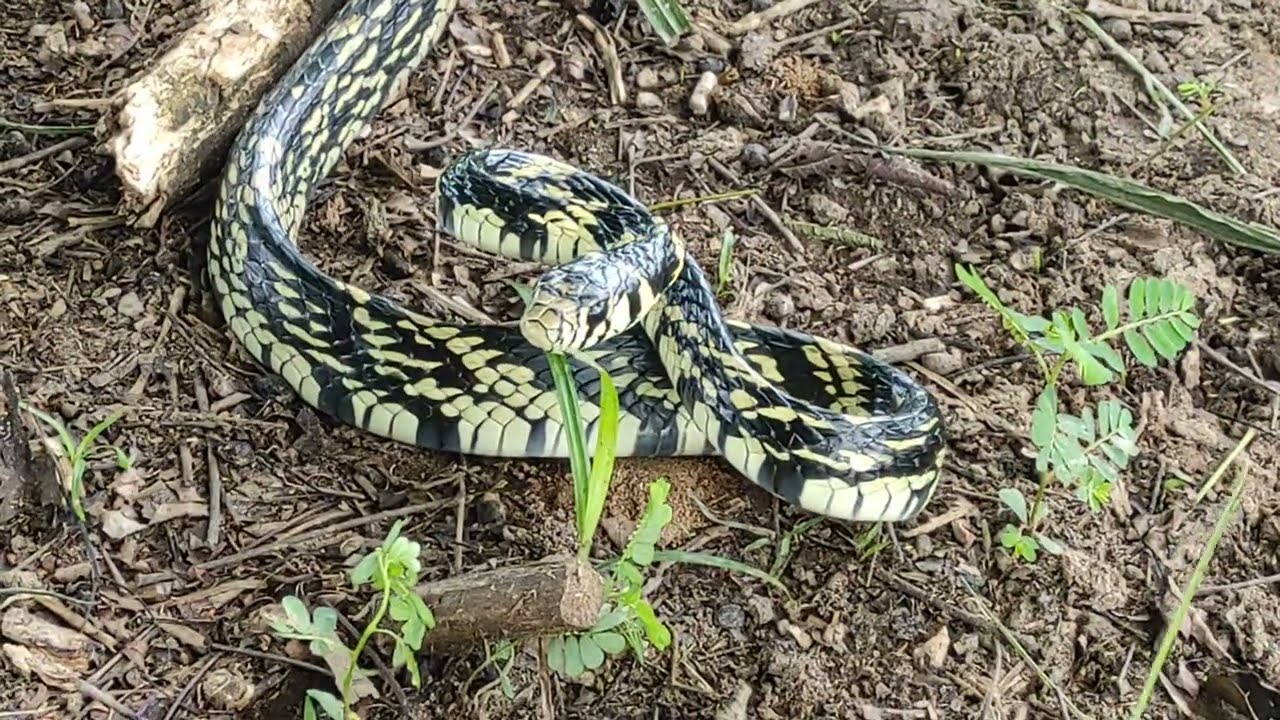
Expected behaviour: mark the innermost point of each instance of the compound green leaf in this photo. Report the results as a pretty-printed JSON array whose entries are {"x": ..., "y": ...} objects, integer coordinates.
[
  {"x": 1044, "y": 421},
  {"x": 573, "y": 666}
]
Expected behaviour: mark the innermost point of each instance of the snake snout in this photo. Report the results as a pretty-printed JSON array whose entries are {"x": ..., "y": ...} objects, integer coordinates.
[{"x": 551, "y": 325}]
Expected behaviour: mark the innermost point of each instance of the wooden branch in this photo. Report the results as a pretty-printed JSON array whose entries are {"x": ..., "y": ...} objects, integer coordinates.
[
  {"x": 555, "y": 595},
  {"x": 175, "y": 123}
]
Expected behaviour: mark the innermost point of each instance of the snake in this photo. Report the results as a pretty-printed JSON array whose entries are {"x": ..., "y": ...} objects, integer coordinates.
[{"x": 816, "y": 423}]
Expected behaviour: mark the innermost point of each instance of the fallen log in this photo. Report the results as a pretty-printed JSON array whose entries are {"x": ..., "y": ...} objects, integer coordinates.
[
  {"x": 556, "y": 595},
  {"x": 173, "y": 125}
]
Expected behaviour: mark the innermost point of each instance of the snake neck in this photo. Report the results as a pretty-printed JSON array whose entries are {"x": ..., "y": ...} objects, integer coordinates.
[
  {"x": 298, "y": 133},
  {"x": 300, "y": 130}
]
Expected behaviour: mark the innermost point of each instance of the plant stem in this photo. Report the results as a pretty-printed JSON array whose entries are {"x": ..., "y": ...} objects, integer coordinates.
[
  {"x": 1135, "y": 324},
  {"x": 369, "y": 630},
  {"x": 1033, "y": 518}
]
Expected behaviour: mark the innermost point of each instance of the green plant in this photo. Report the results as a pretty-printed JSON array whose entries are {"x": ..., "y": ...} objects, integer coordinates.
[
  {"x": 1086, "y": 451},
  {"x": 77, "y": 452},
  {"x": 627, "y": 619},
  {"x": 1204, "y": 93},
  {"x": 667, "y": 18},
  {"x": 392, "y": 570}
]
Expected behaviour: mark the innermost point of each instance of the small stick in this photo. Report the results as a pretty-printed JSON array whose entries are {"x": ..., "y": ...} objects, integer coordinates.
[
  {"x": 93, "y": 692},
  {"x": 1253, "y": 582},
  {"x": 1271, "y": 387},
  {"x": 754, "y": 20},
  {"x": 908, "y": 351},
  {"x": 609, "y": 56},
  {"x": 71, "y": 143},
  {"x": 525, "y": 92},
  {"x": 173, "y": 124},
  {"x": 177, "y": 705},
  {"x": 214, "y": 528},
  {"x": 330, "y": 532},
  {"x": 460, "y": 523},
  {"x": 1147, "y": 76},
  {"x": 1104, "y": 9},
  {"x": 792, "y": 241},
  {"x": 552, "y": 596}
]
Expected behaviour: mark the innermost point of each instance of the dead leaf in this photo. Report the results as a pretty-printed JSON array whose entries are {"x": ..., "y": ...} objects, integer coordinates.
[
  {"x": 216, "y": 597},
  {"x": 183, "y": 634},
  {"x": 1196, "y": 626},
  {"x": 934, "y": 650},
  {"x": 38, "y": 631},
  {"x": 175, "y": 510},
  {"x": 1187, "y": 679},
  {"x": 117, "y": 525},
  {"x": 30, "y": 662}
]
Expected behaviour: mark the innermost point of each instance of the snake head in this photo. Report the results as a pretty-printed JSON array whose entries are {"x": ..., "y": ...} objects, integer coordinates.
[
  {"x": 601, "y": 294},
  {"x": 581, "y": 304}
]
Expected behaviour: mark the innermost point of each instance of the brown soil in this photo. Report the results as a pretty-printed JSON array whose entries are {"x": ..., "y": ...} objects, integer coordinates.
[{"x": 95, "y": 316}]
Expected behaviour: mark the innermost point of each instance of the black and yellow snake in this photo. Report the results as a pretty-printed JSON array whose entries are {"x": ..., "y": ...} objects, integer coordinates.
[{"x": 817, "y": 423}]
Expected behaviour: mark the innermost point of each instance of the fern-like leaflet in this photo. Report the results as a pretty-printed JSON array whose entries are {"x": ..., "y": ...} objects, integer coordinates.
[
  {"x": 1161, "y": 321},
  {"x": 1089, "y": 450}
]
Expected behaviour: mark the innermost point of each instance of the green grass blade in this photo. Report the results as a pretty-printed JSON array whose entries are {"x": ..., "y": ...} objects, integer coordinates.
[
  {"x": 567, "y": 396},
  {"x": 722, "y": 563},
  {"x": 667, "y": 18},
  {"x": 601, "y": 472},
  {"x": 1127, "y": 193}
]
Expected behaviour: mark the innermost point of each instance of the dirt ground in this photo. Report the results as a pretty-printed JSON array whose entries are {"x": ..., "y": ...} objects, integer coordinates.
[{"x": 96, "y": 316}]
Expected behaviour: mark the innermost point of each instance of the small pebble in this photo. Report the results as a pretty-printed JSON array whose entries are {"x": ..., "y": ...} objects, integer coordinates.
[
  {"x": 787, "y": 109},
  {"x": 848, "y": 98},
  {"x": 700, "y": 98},
  {"x": 934, "y": 650},
  {"x": 648, "y": 102},
  {"x": 755, "y": 156},
  {"x": 491, "y": 510},
  {"x": 711, "y": 64},
  {"x": 730, "y": 616},
  {"x": 227, "y": 690},
  {"x": 84, "y": 16},
  {"x": 797, "y": 633},
  {"x": 237, "y": 452},
  {"x": 825, "y": 210},
  {"x": 942, "y": 363},
  {"x": 761, "y": 609},
  {"x": 779, "y": 307},
  {"x": 647, "y": 79},
  {"x": 924, "y": 545},
  {"x": 1118, "y": 28},
  {"x": 130, "y": 305}
]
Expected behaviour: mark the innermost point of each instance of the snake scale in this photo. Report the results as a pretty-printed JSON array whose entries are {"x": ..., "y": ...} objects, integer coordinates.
[{"x": 818, "y": 424}]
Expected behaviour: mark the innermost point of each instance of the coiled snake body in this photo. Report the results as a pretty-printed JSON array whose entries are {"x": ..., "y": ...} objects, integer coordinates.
[{"x": 816, "y": 423}]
